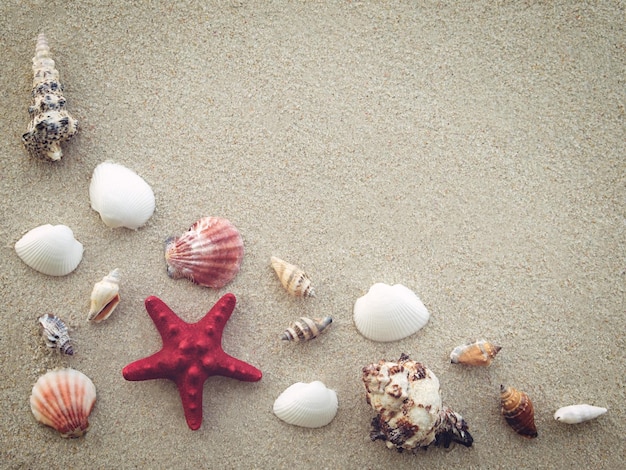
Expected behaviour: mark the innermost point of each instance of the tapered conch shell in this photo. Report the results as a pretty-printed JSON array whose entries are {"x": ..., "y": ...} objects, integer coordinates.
[
  {"x": 518, "y": 411},
  {"x": 56, "y": 334},
  {"x": 575, "y": 414},
  {"x": 306, "y": 329},
  {"x": 63, "y": 400},
  {"x": 50, "y": 123},
  {"x": 309, "y": 405},
  {"x": 105, "y": 297},
  {"x": 293, "y": 279},
  {"x": 480, "y": 353}
]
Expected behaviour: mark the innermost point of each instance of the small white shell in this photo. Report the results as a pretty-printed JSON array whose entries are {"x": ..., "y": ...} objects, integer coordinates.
[
  {"x": 121, "y": 196},
  {"x": 105, "y": 297},
  {"x": 389, "y": 313},
  {"x": 575, "y": 414},
  {"x": 51, "y": 250},
  {"x": 309, "y": 405}
]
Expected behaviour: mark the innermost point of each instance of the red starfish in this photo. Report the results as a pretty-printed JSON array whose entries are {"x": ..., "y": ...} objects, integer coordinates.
[{"x": 191, "y": 353}]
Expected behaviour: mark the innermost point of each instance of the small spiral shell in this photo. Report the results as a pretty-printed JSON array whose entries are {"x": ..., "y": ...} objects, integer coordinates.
[
  {"x": 56, "y": 333},
  {"x": 306, "y": 329},
  {"x": 105, "y": 297},
  {"x": 480, "y": 353},
  {"x": 293, "y": 279},
  {"x": 518, "y": 411}
]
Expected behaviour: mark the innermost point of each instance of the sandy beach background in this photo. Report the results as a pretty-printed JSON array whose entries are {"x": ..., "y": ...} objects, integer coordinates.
[{"x": 472, "y": 152}]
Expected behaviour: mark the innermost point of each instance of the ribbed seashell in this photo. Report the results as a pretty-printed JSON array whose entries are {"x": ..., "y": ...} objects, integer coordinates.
[
  {"x": 63, "y": 400},
  {"x": 51, "y": 250},
  {"x": 209, "y": 253},
  {"x": 480, "y": 353},
  {"x": 50, "y": 123},
  {"x": 293, "y": 279},
  {"x": 105, "y": 297},
  {"x": 56, "y": 334},
  {"x": 309, "y": 405},
  {"x": 518, "y": 411},
  {"x": 574, "y": 414},
  {"x": 389, "y": 313},
  {"x": 306, "y": 329},
  {"x": 120, "y": 196}
]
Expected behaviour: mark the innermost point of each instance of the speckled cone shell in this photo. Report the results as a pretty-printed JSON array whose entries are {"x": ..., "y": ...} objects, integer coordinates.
[
  {"x": 63, "y": 400},
  {"x": 294, "y": 279},
  {"x": 209, "y": 253},
  {"x": 105, "y": 297},
  {"x": 518, "y": 411},
  {"x": 480, "y": 353},
  {"x": 50, "y": 123}
]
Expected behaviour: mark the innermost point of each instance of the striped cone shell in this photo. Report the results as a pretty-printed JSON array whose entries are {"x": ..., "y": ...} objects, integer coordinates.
[
  {"x": 306, "y": 329},
  {"x": 518, "y": 411},
  {"x": 293, "y": 278}
]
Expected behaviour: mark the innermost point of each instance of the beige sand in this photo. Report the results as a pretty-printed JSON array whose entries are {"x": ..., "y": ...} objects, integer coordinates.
[{"x": 474, "y": 153}]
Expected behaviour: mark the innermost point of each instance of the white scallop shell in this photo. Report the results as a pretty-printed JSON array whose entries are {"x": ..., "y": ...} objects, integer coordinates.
[
  {"x": 575, "y": 414},
  {"x": 389, "y": 313},
  {"x": 121, "y": 196},
  {"x": 309, "y": 405},
  {"x": 51, "y": 250}
]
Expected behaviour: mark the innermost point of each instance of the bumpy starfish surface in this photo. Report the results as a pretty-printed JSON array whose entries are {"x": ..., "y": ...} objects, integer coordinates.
[{"x": 191, "y": 353}]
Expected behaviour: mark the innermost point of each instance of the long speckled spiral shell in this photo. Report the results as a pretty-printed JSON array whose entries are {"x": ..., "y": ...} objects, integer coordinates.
[
  {"x": 63, "y": 400},
  {"x": 306, "y": 329},
  {"x": 50, "y": 122},
  {"x": 518, "y": 411},
  {"x": 293, "y": 279},
  {"x": 209, "y": 253},
  {"x": 105, "y": 297},
  {"x": 480, "y": 353},
  {"x": 56, "y": 334}
]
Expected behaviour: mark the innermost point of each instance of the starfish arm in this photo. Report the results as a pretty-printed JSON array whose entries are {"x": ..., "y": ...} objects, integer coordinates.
[
  {"x": 232, "y": 367},
  {"x": 148, "y": 368},
  {"x": 214, "y": 322},
  {"x": 190, "y": 387},
  {"x": 166, "y": 321}
]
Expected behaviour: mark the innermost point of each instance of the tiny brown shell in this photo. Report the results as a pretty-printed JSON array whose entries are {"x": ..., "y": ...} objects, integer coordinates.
[
  {"x": 518, "y": 411},
  {"x": 480, "y": 353},
  {"x": 306, "y": 329}
]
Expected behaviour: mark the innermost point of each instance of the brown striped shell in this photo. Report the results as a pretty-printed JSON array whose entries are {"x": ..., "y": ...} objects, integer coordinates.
[
  {"x": 209, "y": 253},
  {"x": 306, "y": 329},
  {"x": 518, "y": 411},
  {"x": 293, "y": 278},
  {"x": 480, "y": 353}
]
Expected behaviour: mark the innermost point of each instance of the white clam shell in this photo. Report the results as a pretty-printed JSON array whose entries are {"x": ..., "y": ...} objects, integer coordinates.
[
  {"x": 389, "y": 313},
  {"x": 50, "y": 249},
  {"x": 121, "y": 196},
  {"x": 309, "y": 405},
  {"x": 575, "y": 414}
]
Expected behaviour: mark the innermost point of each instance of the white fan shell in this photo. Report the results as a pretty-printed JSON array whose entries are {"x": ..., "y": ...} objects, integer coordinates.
[
  {"x": 50, "y": 249},
  {"x": 121, "y": 196},
  {"x": 575, "y": 414},
  {"x": 309, "y": 405},
  {"x": 389, "y": 313}
]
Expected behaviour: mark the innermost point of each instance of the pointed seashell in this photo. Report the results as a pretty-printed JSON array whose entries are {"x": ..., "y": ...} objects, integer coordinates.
[
  {"x": 480, "y": 353},
  {"x": 575, "y": 414},
  {"x": 51, "y": 250},
  {"x": 389, "y": 313},
  {"x": 293, "y": 279},
  {"x": 105, "y": 297},
  {"x": 120, "y": 196},
  {"x": 209, "y": 253},
  {"x": 306, "y": 329},
  {"x": 63, "y": 400},
  {"x": 518, "y": 411},
  {"x": 309, "y": 405},
  {"x": 50, "y": 123},
  {"x": 56, "y": 334}
]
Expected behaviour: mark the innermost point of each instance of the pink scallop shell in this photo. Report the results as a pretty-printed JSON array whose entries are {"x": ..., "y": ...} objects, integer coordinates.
[{"x": 209, "y": 253}]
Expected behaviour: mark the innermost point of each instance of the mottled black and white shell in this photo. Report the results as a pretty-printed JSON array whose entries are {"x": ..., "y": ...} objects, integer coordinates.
[
  {"x": 56, "y": 334},
  {"x": 50, "y": 123}
]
